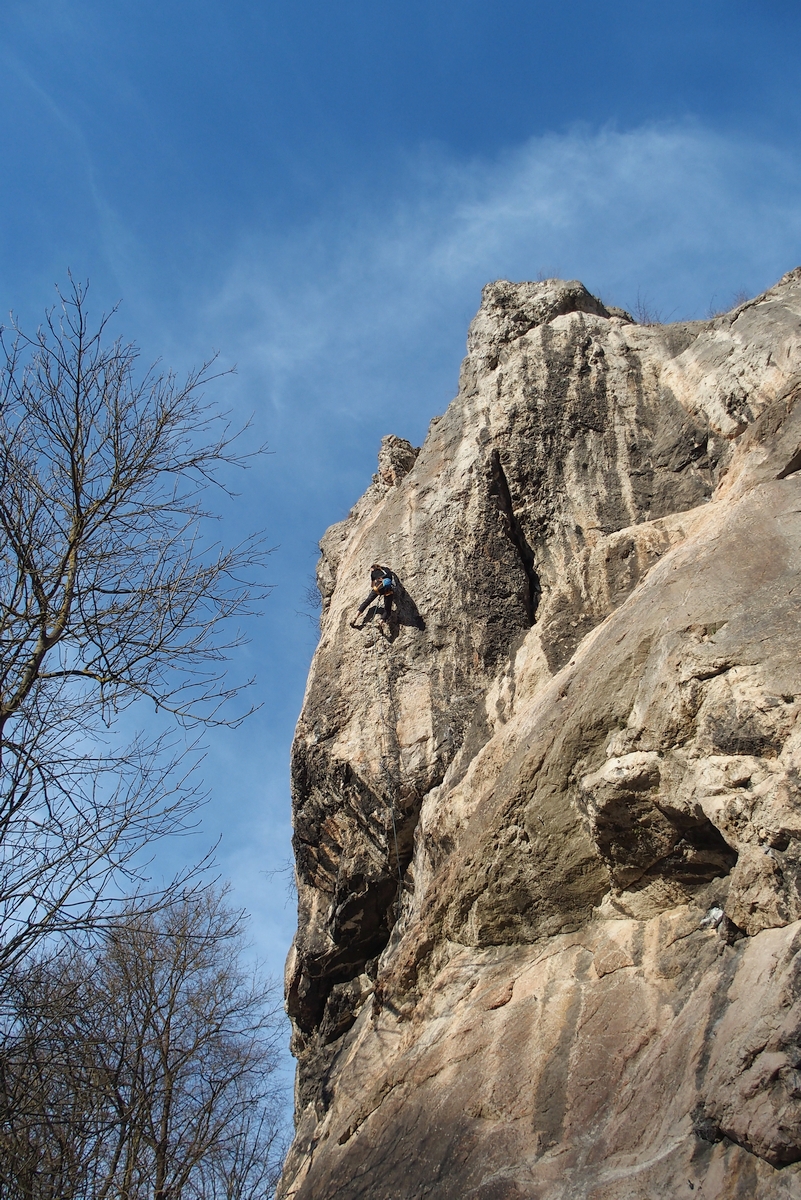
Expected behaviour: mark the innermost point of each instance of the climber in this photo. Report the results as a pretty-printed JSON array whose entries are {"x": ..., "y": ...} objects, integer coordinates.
[{"x": 382, "y": 584}]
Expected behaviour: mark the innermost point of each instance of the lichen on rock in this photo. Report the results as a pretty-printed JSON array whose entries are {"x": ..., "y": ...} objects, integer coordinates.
[{"x": 548, "y": 824}]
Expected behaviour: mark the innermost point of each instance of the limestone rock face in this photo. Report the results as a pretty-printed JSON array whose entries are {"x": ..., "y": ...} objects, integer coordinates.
[{"x": 548, "y": 820}]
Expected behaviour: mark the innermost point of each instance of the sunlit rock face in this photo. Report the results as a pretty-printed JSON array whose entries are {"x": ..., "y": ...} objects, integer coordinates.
[{"x": 548, "y": 824}]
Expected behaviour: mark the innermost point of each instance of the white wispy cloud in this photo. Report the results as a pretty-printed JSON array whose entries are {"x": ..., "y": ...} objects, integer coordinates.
[{"x": 354, "y": 305}]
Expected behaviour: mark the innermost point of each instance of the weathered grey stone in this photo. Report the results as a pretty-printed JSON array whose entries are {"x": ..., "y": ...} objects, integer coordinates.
[{"x": 578, "y": 749}]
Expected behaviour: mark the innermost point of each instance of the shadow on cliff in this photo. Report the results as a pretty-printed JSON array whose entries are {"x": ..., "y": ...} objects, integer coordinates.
[{"x": 404, "y": 613}]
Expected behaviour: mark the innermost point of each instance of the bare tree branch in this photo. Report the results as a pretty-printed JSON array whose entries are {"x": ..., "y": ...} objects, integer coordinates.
[{"x": 111, "y": 592}]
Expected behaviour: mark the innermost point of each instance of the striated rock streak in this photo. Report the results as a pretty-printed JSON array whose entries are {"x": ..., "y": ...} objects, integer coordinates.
[{"x": 548, "y": 831}]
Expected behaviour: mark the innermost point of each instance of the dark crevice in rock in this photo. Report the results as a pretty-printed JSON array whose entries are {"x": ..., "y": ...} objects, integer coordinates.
[
  {"x": 359, "y": 881},
  {"x": 700, "y": 855},
  {"x": 704, "y": 1126},
  {"x": 361, "y": 920},
  {"x": 639, "y": 842},
  {"x": 331, "y": 804},
  {"x": 499, "y": 489},
  {"x": 793, "y": 465}
]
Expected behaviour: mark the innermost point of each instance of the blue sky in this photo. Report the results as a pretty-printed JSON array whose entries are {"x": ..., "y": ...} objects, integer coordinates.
[{"x": 319, "y": 190}]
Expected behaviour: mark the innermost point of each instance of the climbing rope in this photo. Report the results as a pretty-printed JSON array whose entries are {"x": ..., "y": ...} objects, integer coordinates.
[{"x": 389, "y": 782}]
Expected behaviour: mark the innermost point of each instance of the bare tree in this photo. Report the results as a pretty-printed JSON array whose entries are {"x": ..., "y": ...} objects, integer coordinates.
[
  {"x": 143, "y": 1068},
  {"x": 645, "y": 313},
  {"x": 109, "y": 594},
  {"x": 51, "y": 1108}
]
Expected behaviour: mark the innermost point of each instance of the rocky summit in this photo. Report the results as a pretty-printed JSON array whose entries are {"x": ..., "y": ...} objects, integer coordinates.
[{"x": 548, "y": 819}]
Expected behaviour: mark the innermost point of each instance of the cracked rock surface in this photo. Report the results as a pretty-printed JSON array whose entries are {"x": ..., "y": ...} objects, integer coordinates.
[{"x": 548, "y": 822}]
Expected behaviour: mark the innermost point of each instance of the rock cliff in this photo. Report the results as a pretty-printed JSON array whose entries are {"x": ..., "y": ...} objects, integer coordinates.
[{"x": 548, "y": 823}]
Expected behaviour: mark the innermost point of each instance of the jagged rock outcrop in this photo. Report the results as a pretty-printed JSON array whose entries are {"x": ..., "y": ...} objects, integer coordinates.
[{"x": 548, "y": 830}]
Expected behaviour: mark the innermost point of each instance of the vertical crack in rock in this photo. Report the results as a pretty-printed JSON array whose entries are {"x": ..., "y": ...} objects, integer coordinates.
[{"x": 500, "y": 491}]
